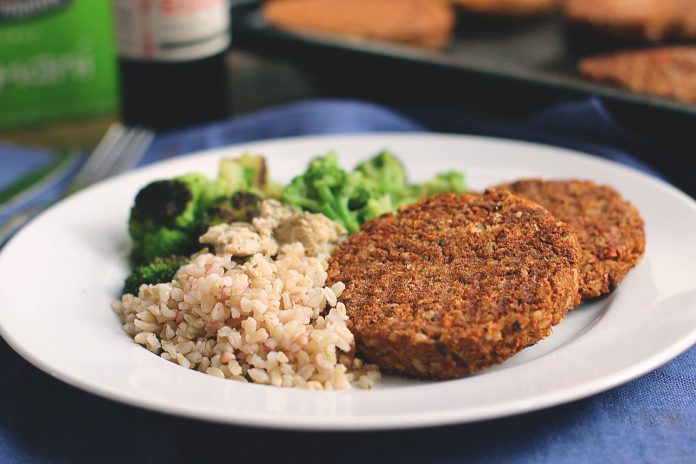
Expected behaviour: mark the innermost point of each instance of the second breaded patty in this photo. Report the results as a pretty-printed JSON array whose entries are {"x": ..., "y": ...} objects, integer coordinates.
[
  {"x": 610, "y": 229},
  {"x": 456, "y": 283},
  {"x": 424, "y": 23}
]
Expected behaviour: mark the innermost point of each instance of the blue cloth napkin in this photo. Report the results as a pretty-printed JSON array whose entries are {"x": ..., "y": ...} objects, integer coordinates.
[{"x": 652, "y": 419}]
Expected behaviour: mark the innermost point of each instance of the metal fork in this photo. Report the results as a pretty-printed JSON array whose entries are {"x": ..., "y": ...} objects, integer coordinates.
[{"x": 119, "y": 150}]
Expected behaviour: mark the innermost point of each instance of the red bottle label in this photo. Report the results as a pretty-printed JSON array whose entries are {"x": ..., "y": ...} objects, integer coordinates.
[{"x": 171, "y": 30}]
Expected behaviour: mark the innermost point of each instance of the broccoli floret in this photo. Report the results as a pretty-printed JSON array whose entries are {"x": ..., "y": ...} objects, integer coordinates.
[
  {"x": 390, "y": 175},
  {"x": 376, "y": 186},
  {"x": 387, "y": 172},
  {"x": 445, "y": 182},
  {"x": 232, "y": 173},
  {"x": 166, "y": 215},
  {"x": 162, "y": 242},
  {"x": 169, "y": 203},
  {"x": 158, "y": 271},
  {"x": 273, "y": 190},
  {"x": 213, "y": 191},
  {"x": 410, "y": 194},
  {"x": 240, "y": 207},
  {"x": 247, "y": 173},
  {"x": 329, "y": 189},
  {"x": 376, "y": 207},
  {"x": 255, "y": 170}
]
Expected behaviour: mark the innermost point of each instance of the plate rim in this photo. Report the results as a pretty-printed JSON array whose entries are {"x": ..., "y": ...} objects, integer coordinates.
[{"x": 412, "y": 420}]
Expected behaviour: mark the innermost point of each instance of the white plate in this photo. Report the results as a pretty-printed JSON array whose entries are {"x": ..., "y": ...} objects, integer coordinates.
[{"x": 61, "y": 272}]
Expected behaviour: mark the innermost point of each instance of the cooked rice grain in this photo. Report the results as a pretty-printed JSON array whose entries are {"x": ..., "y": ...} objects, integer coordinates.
[{"x": 268, "y": 321}]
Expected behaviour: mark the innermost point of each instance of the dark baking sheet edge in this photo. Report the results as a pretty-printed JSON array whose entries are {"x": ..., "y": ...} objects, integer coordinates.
[{"x": 249, "y": 27}]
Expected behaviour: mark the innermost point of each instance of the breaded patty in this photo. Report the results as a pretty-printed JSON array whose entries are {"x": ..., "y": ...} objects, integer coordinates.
[
  {"x": 610, "y": 229},
  {"x": 668, "y": 71},
  {"x": 508, "y": 7},
  {"x": 648, "y": 20},
  {"x": 456, "y": 283},
  {"x": 424, "y": 23}
]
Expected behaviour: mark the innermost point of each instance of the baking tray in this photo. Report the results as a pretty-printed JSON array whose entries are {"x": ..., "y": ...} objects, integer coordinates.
[{"x": 532, "y": 54}]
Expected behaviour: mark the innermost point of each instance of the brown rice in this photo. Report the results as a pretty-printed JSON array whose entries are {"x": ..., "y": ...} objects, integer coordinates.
[{"x": 269, "y": 321}]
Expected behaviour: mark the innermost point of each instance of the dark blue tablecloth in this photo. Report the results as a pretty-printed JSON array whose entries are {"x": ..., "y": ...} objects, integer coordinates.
[{"x": 652, "y": 419}]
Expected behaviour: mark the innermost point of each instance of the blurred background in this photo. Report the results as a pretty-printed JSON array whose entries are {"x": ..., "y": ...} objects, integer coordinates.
[{"x": 69, "y": 69}]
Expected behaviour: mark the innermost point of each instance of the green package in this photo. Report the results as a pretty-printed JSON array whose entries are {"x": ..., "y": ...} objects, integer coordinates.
[{"x": 57, "y": 61}]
